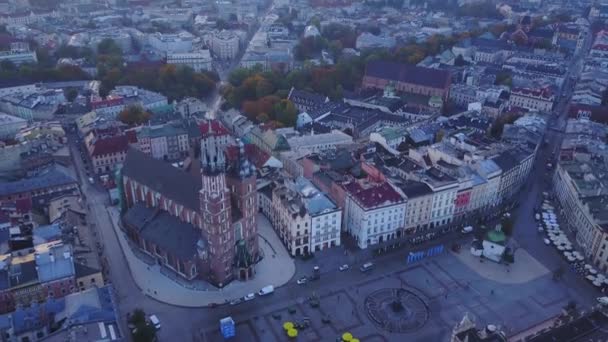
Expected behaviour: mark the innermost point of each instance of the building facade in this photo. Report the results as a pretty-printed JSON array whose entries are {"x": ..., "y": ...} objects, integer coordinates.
[{"x": 373, "y": 212}]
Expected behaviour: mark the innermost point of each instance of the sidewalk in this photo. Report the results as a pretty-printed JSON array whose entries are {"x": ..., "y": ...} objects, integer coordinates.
[{"x": 277, "y": 268}]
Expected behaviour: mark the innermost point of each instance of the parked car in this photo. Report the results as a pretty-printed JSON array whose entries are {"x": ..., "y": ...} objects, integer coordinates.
[
  {"x": 249, "y": 297},
  {"x": 343, "y": 268},
  {"x": 302, "y": 281},
  {"x": 155, "y": 322},
  {"x": 467, "y": 229},
  {"x": 368, "y": 266},
  {"x": 237, "y": 301},
  {"x": 547, "y": 241}
]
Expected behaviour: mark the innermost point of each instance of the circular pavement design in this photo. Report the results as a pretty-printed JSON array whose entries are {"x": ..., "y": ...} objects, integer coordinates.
[{"x": 397, "y": 310}]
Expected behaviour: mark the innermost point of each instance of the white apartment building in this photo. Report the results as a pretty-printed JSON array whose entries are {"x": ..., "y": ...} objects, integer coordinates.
[
  {"x": 171, "y": 43},
  {"x": 305, "y": 219},
  {"x": 225, "y": 44},
  {"x": 515, "y": 165},
  {"x": 535, "y": 99},
  {"x": 325, "y": 216},
  {"x": 419, "y": 204},
  {"x": 373, "y": 212},
  {"x": 19, "y": 54},
  {"x": 485, "y": 195},
  {"x": 319, "y": 142},
  {"x": 444, "y": 189},
  {"x": 576, "y": 197},
  {"x": 198, "y": 60},
  {"x": 190, "y": 106}
]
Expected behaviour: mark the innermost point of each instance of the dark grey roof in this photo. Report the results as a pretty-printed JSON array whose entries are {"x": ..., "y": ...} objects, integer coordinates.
[
  {"x": 54, "y": 176},
  {"x": 160, "y": 176},
  {"x": 161, "y": 228},
  {"x": 415, "y": 189},
  {"x": 490, "y": 44},
  {"x": 23, "y": 273},
  {"x": 84, "y": 270},
  {"x": 301, "y": 97},
  {"x": 4, "y": 281},
  {"x": 505, "y": 161},
  {"x": 433, "y": 78}
]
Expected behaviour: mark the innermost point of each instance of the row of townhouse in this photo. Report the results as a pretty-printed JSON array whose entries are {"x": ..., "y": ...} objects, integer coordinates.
[
  {"x": 579, "y": 184},
  {"x": 432, "y": 186}
]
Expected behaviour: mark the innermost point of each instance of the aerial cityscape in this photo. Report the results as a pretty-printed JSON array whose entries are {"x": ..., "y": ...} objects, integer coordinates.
[{"x": 304, "y": 170}]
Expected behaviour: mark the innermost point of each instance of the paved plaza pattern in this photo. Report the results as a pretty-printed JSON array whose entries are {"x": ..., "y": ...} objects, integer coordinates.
[
  {"x": 524, "y": 269},
  {"x": 435, "y": 295}
]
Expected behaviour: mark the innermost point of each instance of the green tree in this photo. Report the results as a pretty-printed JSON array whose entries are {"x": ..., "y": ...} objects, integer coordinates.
[
  {"x": 459, "y": 61},
  {"x": 134, "y": 115},
  {"x": 109, "y": 47},
  {"x": 439, "y": 135},
  {"x": 499, "y": 124},
  {"x": 286, "y": 113},
  {"x": 507, "y": 226},
  {"x": 263, "y": 88},
  {"x": 237, "y": 76},
  {"x": 503, "y": 78},
  {"x": 7, "y": 65},
  {"x": 71, "y": 94},
  {"x": 142, "y": 330}
]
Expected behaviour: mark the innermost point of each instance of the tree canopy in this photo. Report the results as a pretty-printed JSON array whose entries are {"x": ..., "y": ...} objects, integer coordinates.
[
  {"x": 134, "y": 115},
  {"x": 109, "y": 47},
  {"x": 142, "y": 331}
]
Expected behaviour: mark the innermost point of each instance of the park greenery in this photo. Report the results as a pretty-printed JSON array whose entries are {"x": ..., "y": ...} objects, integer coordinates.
[{"x": 175, "y": 82}]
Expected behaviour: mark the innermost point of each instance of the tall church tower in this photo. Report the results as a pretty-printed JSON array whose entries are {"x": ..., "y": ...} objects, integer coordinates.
[
  {"x": 215, "y": 210},
  {"x": 242, "y": 184}
]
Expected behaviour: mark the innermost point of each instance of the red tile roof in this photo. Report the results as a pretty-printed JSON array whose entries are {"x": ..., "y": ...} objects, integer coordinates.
[
  {"x": 23, "y": 205},
  {"x": 254, "y": 154},
  {"x": 597, "y": 113},
  {"x": 109, "y": 102},
  {"x": 374, "y": 195},
  {"x": 212, "y": 127},
  {"x": 110, "y": 145},
  {"x": 131, "y": 136},
  {"x": 544, "y": 93}
]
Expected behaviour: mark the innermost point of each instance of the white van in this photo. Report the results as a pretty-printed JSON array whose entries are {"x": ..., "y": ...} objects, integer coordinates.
[
  {"x": 266, "y": 290},
  {"x": 155, "y": 322},
  {"x": 466, "y": 230}
]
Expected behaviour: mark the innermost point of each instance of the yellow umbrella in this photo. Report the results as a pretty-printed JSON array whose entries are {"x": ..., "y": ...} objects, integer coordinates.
[
  {"x": 347, "y": 337},
  {"x": 292, "y": 333},
  {"x": 287, "y": 325}
]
